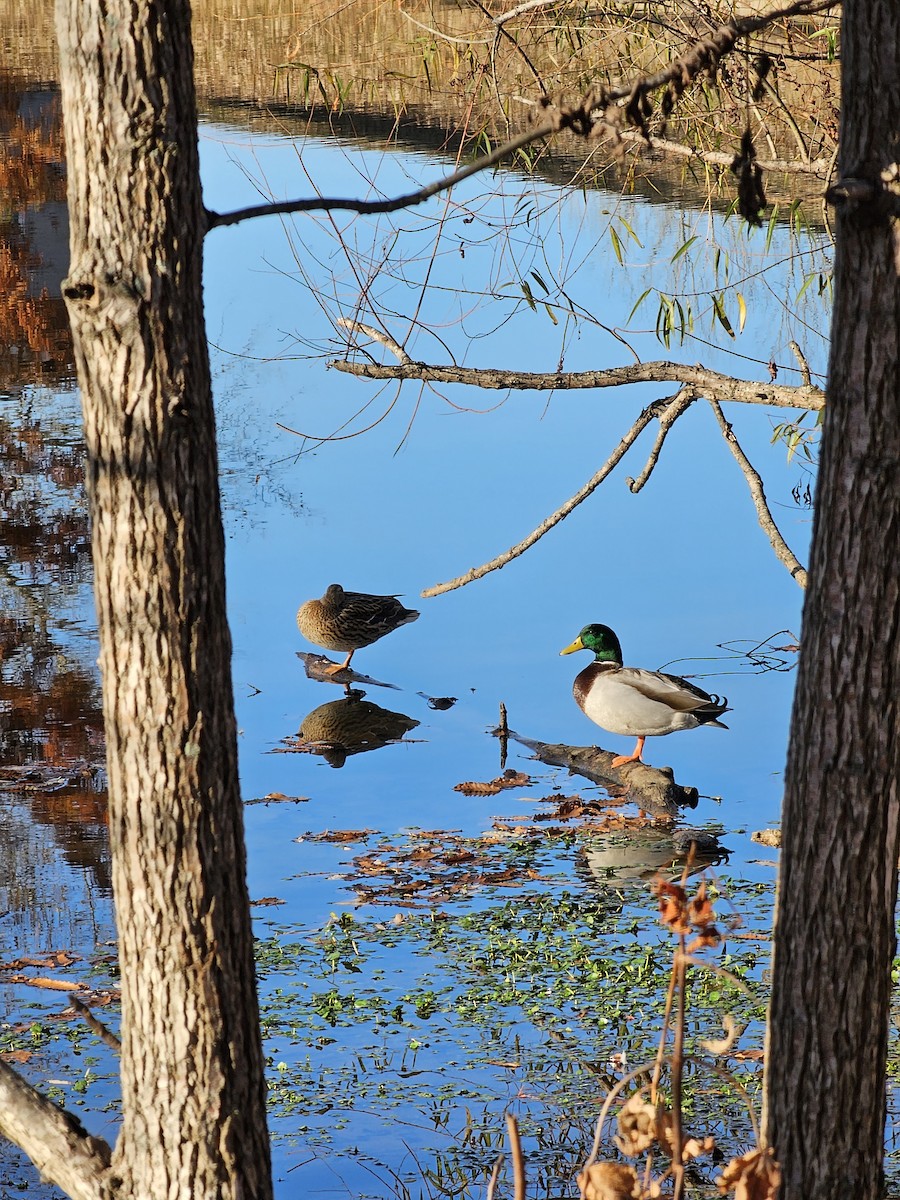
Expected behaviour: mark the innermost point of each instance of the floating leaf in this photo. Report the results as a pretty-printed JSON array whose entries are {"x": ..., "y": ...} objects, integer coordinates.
[
  {"x": 508, "y": 779},
  {"x": 41, "y": 981},
  {"x": 478, "y": 789}
]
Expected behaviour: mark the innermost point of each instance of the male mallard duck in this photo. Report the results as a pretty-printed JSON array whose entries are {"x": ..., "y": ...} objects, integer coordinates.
[
  {"x": 631, "y": 701},
  {"x": 350, "y": 620}
]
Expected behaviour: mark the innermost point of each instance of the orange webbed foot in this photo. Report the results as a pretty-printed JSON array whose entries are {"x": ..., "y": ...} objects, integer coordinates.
[
  {"x": 635, "y": 755},
  {"x": 625, "y": 758}
]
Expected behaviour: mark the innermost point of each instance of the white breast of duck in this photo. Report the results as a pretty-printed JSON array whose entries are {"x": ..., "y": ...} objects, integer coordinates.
[{"x": 628, "y": 700}]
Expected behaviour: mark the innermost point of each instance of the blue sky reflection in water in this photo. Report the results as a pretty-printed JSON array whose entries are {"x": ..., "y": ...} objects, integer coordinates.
[{"x": 432, "y": 489}]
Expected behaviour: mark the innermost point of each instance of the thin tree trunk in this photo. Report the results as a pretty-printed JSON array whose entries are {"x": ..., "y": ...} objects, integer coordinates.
[
  {"x": 835, "y": 927},
  {"x": 193, "y": 1097}
]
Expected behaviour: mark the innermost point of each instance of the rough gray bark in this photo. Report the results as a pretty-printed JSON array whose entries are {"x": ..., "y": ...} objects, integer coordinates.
[
  {"x": 193, "y": 1094},
  {"x": 835, "y": 931}
]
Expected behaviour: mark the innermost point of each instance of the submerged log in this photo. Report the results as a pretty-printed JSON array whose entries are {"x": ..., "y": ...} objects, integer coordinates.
[{"x": 651, "y": 788}]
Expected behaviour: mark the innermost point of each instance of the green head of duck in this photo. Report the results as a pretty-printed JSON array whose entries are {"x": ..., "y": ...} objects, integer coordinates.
[{"x": 599, "y": 639}]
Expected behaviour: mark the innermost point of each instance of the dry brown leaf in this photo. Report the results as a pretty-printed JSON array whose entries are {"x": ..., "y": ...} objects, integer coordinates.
[
  {"x": 478, "y": 789},
  {"x": 266, "y": 901},
  {"x": 511, "y": 778},
  {"x": 41, "y": 981},
  {"x": 767, "y": 837},
  {"x": 722, "y": 1045},
  {"x": 369, "y": 865},
  {"x": 700, "y": 910},
  {"x": 641, "y": 1124},
  {"x": 609, "y": 1181},
  {"x": 696, "y": 1147},
  {"x": 59, "y": 958},
  {"x": 707, "y": 939},
  {"x": 754, "y": 1176},
  {"x": 508, "y": 779},
  {"x": 19, "y": 1056},
  {"x": 340, "y": 835},
  {"x": 672, "y": 905}
]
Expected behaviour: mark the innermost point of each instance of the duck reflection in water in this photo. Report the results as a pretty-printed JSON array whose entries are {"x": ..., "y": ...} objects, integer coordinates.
[
  {"x": 616, "y": 860},
  {"x": 351, "y": 725}
]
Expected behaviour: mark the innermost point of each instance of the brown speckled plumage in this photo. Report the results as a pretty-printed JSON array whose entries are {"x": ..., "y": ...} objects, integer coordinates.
[{"x": 347, "y": 621}]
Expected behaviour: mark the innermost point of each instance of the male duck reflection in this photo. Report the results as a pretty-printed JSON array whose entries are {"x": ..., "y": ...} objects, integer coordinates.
[
  {"x": 631, "y": 701},
  {"x": 347, "y": 621}
]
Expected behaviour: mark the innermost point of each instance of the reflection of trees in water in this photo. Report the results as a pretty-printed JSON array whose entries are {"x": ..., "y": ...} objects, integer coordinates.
[
  {"x": 51, "y": 724},
  {"x": 34, "y": 331},
  {"x": 44, "y": 531}
]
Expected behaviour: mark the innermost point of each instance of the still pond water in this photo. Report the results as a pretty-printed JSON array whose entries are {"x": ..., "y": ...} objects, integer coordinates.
[{"x": 431, "y": 959}]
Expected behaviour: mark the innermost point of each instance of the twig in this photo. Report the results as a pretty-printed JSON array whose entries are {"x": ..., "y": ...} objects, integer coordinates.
[
  {"x": 546, "y": 525},
  {"x": 677, "y": 1067},
  {"x": 495, "y": 1175},
  {"x": 714, "y": 385},
  {"x": 674, "y": 407},
  {"x": 503, "y": 734},
  {"x": 519, "y": 9},
  {"x": 445, "y": 37},
  {"x": 788, "y": 116},
  {"x": 801, "y": 359},
  {"x": 95, "y": 1026},
  {"x": 377, "y": 335},
  {"x": 515, "y": 1146},
  {"x": 623, "y": 1083},
  {"x": 783, "y": 552},
  {"x": 720, "y": 158},
  {"x": 409, "y": 200}
]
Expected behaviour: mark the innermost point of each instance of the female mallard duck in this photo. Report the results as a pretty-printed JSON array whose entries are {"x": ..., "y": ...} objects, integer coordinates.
[
  {"x": 639, "y": 703},
  {"x": 350, "y": 620}
]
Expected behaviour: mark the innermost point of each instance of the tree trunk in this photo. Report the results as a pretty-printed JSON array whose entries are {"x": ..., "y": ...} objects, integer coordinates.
[
  {"x": 193, "y": 1093},
  {"x": 835, "y": 930}
]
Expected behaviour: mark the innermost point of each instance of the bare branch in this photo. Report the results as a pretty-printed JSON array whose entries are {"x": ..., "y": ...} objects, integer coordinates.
[
  {"x": 706, "y": 51},
  {"x": 801, "y": 359},
  {"x": 54, "y": 1140},
  {"x": 554, "y": 519},
  {"x": 495, "y": 1175},
  {"x": 714, "y": 385},
  {"x": 719, "y": 158},
  {"x": 783, "y": 552},
  {"x": 95, "y": 1026},
  {"x": 409, "y": 200},
  {"x": 674, "y": 407},
  {"x": 526, "y": 6},
  {"x": 377, "y": 335}
]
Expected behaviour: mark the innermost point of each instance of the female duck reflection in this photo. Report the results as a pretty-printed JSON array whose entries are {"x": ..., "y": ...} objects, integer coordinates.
[{"x": 348, "y": 726}]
